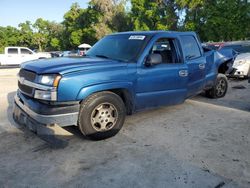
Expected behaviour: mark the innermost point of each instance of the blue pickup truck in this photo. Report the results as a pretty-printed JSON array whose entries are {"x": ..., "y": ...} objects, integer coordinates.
[{"x": 121, "y": 74}]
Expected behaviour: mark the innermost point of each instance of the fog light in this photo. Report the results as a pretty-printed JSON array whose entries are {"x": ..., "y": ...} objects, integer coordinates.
[
  {"x": 240, "y": 73},
  {"x": 45, "y": 95}
]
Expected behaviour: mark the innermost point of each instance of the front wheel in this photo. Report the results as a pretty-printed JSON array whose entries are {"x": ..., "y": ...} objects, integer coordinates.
[
  {"x": 101, "y": 115},
  {"x": 220, "y": 87}
]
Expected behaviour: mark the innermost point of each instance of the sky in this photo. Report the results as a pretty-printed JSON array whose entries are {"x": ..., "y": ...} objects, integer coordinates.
[{"x": 13, "y": 12}]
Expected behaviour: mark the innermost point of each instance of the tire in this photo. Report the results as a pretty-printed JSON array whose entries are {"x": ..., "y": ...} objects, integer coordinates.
[
  {"x": 101, "y": 115},
  {"x": 219, "y": 89}
]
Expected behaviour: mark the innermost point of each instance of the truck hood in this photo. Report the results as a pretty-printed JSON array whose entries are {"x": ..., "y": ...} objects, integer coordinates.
[{"x": 66, "y": 65}]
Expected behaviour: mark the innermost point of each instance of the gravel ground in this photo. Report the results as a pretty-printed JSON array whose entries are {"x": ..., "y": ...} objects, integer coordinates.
[{"x": 201, "y": 143}]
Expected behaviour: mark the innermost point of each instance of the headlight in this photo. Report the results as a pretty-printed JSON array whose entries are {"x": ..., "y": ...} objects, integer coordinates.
[
  {"x": 49, "y": 80},
  {"x": 240, "y": 62},
  {"x": 47, "y": 93}
]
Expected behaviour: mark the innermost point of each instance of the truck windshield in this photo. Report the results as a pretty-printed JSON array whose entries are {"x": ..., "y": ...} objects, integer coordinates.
[{"x": 126, "y": 47}]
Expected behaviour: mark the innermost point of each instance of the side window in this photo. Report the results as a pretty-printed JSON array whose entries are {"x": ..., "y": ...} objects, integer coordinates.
[
  {"x": 166, "y": 48},
  {"x": 12, "y": 51},
  {"x": 191, "y": 48},
  {"x": 25, "y": 51}
]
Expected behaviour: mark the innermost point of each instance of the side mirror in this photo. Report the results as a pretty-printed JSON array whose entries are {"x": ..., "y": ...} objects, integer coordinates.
[{"x": 153, "y": 59}]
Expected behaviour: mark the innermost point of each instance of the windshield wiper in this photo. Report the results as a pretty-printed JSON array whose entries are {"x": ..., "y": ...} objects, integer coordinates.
[
  {"x": 103, "y": 56},
  {"x": 85, "y": 55},
  {"x": 106, "y": 57}
]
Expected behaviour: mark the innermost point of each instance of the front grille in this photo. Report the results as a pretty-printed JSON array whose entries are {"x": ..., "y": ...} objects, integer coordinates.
[
  {"x": 27, "y": 75},
  {"x": 25, "y": 89}
]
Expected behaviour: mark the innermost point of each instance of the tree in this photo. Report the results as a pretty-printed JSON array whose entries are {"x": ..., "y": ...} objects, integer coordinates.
[
  {"x": 72, "y": 33},
  {"x": 154, "y": 14},
  {"x": 55, "y": 44},
  {"x": 108, "y": 16},
  {"x": 218, "y": 20},
  {"x": 9, "y": 36},
  {"x": 214, "y": 20},
  {"x": 55, "y": 36},
  {"x": 97, "y": 20},
  {"x": 26, "y": 33},
  {"x": 40, "y": 37}
]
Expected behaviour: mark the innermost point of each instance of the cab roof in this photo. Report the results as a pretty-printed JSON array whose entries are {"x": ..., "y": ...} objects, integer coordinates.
[{"x": 152, "y": 33}]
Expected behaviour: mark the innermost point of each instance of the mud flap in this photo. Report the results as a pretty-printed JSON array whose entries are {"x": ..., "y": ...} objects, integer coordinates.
[{"x": 53, "y": 134}]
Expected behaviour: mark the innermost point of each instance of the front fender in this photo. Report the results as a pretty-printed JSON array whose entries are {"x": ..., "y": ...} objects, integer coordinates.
[{"x": 86, "y": 91}]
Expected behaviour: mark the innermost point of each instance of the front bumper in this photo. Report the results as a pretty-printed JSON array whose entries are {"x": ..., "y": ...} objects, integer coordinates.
[
  {"x": 27, "y": 110},
  {"x": 241, "y": 70}
]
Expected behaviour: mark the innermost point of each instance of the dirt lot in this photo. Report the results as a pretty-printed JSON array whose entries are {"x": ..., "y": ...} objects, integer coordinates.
[{"x": 201, "y": 143}]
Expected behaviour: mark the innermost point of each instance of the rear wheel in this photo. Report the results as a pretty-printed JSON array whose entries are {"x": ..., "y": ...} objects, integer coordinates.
[
  {"x": 101, "y": 115},
  {"x": 220, "y": 87}
]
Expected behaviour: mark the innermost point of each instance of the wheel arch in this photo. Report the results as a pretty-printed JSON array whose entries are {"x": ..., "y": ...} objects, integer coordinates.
[
  {"x": 124, "y": 90},
  {"x": 224, "y": 67}
]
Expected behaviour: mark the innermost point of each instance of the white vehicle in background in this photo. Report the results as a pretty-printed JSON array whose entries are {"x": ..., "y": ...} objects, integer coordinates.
[
  {"x": 18, "y": 55},
  {"x": 241, "y": 65}
]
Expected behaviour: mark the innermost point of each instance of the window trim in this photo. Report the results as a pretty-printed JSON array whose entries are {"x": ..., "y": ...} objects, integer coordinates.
[
  {"x": 176, "y": 45},
  {"x": 13, "y": 49},
  {"x": 30, "y": 52},
  {"x": 184, "y": 55}
]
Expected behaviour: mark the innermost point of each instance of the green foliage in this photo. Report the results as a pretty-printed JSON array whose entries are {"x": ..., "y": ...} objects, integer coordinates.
[
  {"x": 9, "y": 37},
  {"x": 214, "y": 20},
  {"x": 154, "y": 14},
  {"x": 25, "y": 38},
  {"x": 219, "y": 20},
  {"x": 55, "y": 44}
]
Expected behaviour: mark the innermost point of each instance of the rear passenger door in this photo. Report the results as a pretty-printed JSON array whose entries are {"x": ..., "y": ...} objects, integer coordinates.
[{"x": 196, "y": 62}]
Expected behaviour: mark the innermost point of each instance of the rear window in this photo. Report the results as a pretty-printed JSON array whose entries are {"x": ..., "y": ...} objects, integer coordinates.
[
  {"x": 12, "y": 51},
  {"x": 190, "y": 47}
]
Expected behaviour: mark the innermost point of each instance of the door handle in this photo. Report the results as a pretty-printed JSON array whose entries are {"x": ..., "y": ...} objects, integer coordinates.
[
  {"x": 202, "y": 66},
  {"x": 183, "y": 73}
]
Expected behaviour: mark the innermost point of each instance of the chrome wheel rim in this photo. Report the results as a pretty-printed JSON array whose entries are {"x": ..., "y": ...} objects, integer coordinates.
[
  {"x": 221, "y": 87},
  {"x": 104, "y": 117}
]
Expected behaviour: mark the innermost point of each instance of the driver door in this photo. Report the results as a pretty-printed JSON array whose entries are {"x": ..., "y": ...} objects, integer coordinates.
[{"x": 164, "y": 83}]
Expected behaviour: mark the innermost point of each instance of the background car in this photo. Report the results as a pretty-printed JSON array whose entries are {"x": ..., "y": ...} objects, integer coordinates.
[
  {"x": 238, "y": 46},
  {"x": 241, "y": 65}
]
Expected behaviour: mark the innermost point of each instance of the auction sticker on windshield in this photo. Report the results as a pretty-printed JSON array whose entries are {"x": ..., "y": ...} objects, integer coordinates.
[{"x": 136, "y": 37}]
